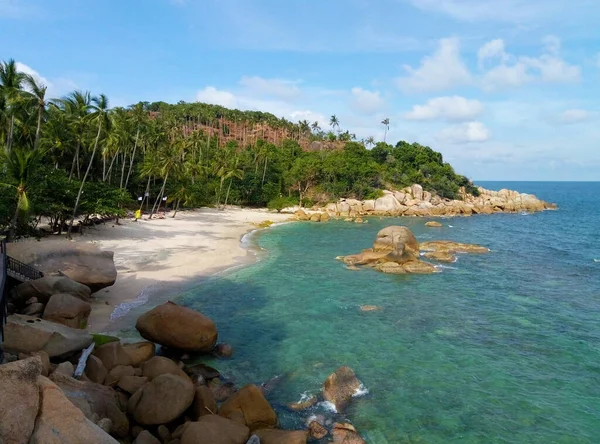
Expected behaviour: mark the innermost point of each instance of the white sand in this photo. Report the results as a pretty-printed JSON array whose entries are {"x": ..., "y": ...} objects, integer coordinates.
[{"x": 162, "y": 253}]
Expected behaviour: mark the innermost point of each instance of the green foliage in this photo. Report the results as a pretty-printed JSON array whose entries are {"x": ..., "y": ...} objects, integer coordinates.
[{"x": 279, "y": 203}]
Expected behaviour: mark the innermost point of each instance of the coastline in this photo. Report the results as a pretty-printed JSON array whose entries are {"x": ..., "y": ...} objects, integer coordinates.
[{"x": 155, "y": 259}]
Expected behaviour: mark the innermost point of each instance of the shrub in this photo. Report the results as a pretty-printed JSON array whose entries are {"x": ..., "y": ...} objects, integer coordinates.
[{"x": 279, "y": 203}]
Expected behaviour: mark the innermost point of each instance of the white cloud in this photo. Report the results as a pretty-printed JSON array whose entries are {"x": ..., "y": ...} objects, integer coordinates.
[
  {"x": 55, "y": 88},
  {"x": 451, "y": 108},
  {"x": 284, "y": 89},
  {"x": 464, "y": 133},
  {"x": 212, "y": 95},
  {"x": 442, "y": 70},
  {"x": 21, "y": 67},
  {"x": 514, "y": 71},
  {"x": 573, "y": 116},
  {"x": 366, "y": 102}
]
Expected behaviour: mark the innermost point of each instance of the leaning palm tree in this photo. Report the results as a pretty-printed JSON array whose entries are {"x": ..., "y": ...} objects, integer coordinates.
[
  {"x": 36, "y": 97},
  {"x": 77, "y": 105},
  {"x": 11, "y": 81},
  {"x": 19, "y": 164},
  {"x": 386, "y": 122},
  {"x": 334, "y": 122},
  {"x": 99, "y": 116}
]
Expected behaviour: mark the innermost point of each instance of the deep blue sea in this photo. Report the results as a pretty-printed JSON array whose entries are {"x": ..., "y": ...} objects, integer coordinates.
[{"x": 497, "y": 348}]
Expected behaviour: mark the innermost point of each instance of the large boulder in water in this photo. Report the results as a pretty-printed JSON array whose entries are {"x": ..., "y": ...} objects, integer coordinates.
[
  {"x": 390, "y": 238},
  {"x": 20, "y": 398},
  {"x": 67, "y": 310},
  {"x": 340, "y": 387},
  {"x": 214, "y": 429},
  {"x": 60, "y": 422},
  {"x": 453, "y": 247},
  {"x": 84, "y": 263},
  {"x": 29, "y": 334},
  {"x": 43, "y": 289},
  {"x": 178, "y": 327},
  {"x": 346, "y": 434},
  {"x": 161, "y": 400},
  {"x": 249, "y": 407}
]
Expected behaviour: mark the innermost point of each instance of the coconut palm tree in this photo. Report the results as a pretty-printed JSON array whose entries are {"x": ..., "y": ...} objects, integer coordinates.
[
  {"x": 36, "y": 98},
  {"x": 334, "y": 122},
  {"x": 77, "y": 106},
  {"x": 386, "y": 122},
  {"x": 315, "y": 127},
  {"x": 11, "y": 81},
  {"x": 370, "y": 141},
  {"x": 100, "y": 117}
]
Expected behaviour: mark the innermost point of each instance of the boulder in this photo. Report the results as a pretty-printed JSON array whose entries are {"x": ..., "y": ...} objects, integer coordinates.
[
  {"x": 145, "y": 437},
  {"x": 95, "y": 370},
  {"x": 89, "y": 397},
  {"x": 440, "y": 256},
  {"x": 249, "y": 407},
  {"x": 60, "y": 422},
  {"x": 204, "y": 402},
  {"x": 390, "y": 268},
  {"x": 35, "y": 309},
  {"x": 388, "y": 203},
  {"x": 316, "y": 430},
  {"x": 273, "y": 436},
  {"x": 221, "y": 390},
  {"x": 65, "y": 368},
  {"x": 303, "y": 404},
  {"x": 132, "y": 384},
  {"x": 112, "y": 354},
  {"x": 159, "y": 365},
  {"x": 433, "y": 224},
  {"x": 453, "y": 247},
  {"x": 213, "y": 429},
  {"x": 346, "y": 434},
  {"x": 340, "y": 387},
  {"x": 42, "y": 289},
  {"x": 29, "y": 334},
  {"x": 20, "y": 399},
  {"x": 390, "y": 238},
  {"x": 116, "y": 373},
  {"x": 178, "y": 327},
  {"x": 206, "y": 372},
  {"x": 120, "y": 423},
  {"x": 139, "y": 352},
  {"x": 223, "y": 351},
  {"x": 161, "y": 400},
  {"x": 419, "y": 267},
  {"x": 82, "y": 262},
  {"x": 67, "y": 310},
  {"x": 417, "y": 191},
  {"x": 316, "y": 217}
]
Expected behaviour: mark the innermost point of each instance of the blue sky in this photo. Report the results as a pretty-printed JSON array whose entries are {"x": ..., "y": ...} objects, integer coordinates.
[{"x": 505, "y": 89}]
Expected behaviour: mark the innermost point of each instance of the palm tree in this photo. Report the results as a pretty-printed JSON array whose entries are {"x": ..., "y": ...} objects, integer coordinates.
[
  {"x": 37, "y": 98},
  {"x": 231, "y": 173},
  {"x": 386, "y": 122},
  {"x": 334, "y": 122},
  {"x": 100, "y": 115},
  {"x": 370, "y": 141},
  {"x": 11, "y": 81},
  {"x": 77, "y": 105},
  {"x": 19, "y": 164},
  {"x": 315, "y": 127}
]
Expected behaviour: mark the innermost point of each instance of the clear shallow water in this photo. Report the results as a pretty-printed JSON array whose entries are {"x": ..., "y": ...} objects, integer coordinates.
[{"x": 499, "y": 348}]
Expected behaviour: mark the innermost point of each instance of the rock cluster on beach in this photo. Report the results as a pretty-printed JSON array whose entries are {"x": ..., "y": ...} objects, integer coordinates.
[
  {"x": 127, "y": 393},
  {"x": 397, "y": 251},
  {"x": 414, "y": 201}
]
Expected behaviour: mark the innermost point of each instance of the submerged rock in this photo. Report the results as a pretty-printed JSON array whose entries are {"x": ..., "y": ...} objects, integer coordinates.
[
  {"x": 344, "y": 433},
  {"x": 453, "y": 247},
  {"x": 433, "y": 224},
  {"x": 340, "y": 387}
]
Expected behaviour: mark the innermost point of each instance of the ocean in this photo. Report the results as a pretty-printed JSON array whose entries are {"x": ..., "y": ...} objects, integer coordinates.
[{"x": 497, "y": 348}]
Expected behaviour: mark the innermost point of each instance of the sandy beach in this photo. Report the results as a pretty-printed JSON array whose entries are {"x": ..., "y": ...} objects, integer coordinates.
[{"x": 161, "y": 254}]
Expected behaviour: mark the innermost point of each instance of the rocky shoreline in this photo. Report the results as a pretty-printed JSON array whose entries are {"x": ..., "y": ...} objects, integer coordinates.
[{"x": 413, "y": 201}]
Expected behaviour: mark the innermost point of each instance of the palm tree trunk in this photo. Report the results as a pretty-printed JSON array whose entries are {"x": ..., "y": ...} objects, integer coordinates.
[
  {"x": 265, "y": 171},
  {"x": 176, "y": 208},
  {"x": 9, "y": 138},
  {"x": 220, "y": 189},
  {"x": 160, "y": 195},
  {"x": 147, "y": 192},
  {"x": 228, "y": 189},
  {"x": 38, "y": 129},
  {"x": 87, "y": 171},
  {"x": 75, "y": 160},
  {"x": 111, "y": 164},
  {"x": 132, "y": 157},
  {"x": 14, "y": 222}
]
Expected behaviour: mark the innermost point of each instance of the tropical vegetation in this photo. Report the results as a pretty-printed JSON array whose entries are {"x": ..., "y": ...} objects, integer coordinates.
[{"x": 72, "y": 158}]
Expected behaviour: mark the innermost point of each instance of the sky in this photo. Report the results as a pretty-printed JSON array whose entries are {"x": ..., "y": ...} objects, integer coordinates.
[{"x": 504, "y": 89}]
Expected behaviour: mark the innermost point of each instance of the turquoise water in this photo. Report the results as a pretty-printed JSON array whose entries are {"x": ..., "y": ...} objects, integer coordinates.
[{"x": 498, "y": 348}]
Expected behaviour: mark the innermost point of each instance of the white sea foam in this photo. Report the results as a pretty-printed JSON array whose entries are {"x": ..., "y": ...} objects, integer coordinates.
[
  {"x": 329, "y": 406},
  {"x": 124, "y": 308},
  {"x": 446, "y": 266},
  {"x": 361, "y": 391},
  {"x": 451, "y": 226},
  {"x": 596, "y": 260}
]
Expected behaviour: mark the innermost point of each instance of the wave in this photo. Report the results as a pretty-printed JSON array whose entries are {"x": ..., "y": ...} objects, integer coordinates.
[
  {"x": 446, "y": 266},
  {"x": 328, "y": 406},
  {"x": 596, "y": 260},
  {"x": 125, "y": 307},
  {"x": 360, "y": 391}
]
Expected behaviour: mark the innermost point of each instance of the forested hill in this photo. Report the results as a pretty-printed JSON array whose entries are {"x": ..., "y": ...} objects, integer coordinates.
[{"x": 76, "y": 156}]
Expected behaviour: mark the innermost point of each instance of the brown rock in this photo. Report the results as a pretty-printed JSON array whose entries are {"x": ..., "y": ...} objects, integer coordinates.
[
  {"x": 67, "y": 310},
  {"x": 45, "y": 361},
  {"x": 203, "y": 370},
  {"x": 204, "y": 402},
  {"x": 140, "y": 352},
  {"x": 34, "y": 309},
  {"x": 42, "y": 289},
  {"x": 29, "y": 334},
  {"x": 391, "y": 268},
  {"x": 441, "y": 256},
  {"x": 145, "y": 437},
  {"x": 213, "y": 429},
  {"x": 346, "y": 434},
  {"x": 20, "y": 399},
  {"x": 340, "y": 387},
  {"x": 161, "y": 400},
  {"x": 120, "y": 423},
  {"x": 132, "y": 384},
  {"x": 453, "y": 247},
  {"x": 433, "y": 224},
  {"x": 178, "y": 327},
  {"x": 163, "y": 433},
  {"x": 223, "y": 351},
  {"x": 250, "y": 406},
  {"x": 222, "y": 391},
  {"x": 303, "y": 405},
  {"x": 370, "y": 308},
  {"x": 159, "y": 365},
  {"x": 316, "y": 217},
  {"x": 115, "y": 374},
  {"x": 95, "y": 370},
  {"x": 65, "y": 368},
  {"x": 316, "y": 430},
  {"x": 89, "y": 397},
  {"x": 273, "y": 436},
  {"x": 390, "y": 238},
  {"x": 60, "y": 422},
  {"x": 419, "y": 267},
  {"x": 112, "y": 354}
]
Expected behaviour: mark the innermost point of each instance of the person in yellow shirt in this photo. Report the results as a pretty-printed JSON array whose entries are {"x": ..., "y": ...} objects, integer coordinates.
[{"x": 138, "y": 215}]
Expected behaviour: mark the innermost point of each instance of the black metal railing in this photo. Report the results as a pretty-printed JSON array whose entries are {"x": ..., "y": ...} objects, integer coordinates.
[
  {"x": 21, "y": 271},
  {"x": 3, "y": 292}
]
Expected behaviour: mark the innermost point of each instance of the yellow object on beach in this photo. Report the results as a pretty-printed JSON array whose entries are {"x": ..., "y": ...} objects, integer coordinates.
[{"x": 138, "y": 214}]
